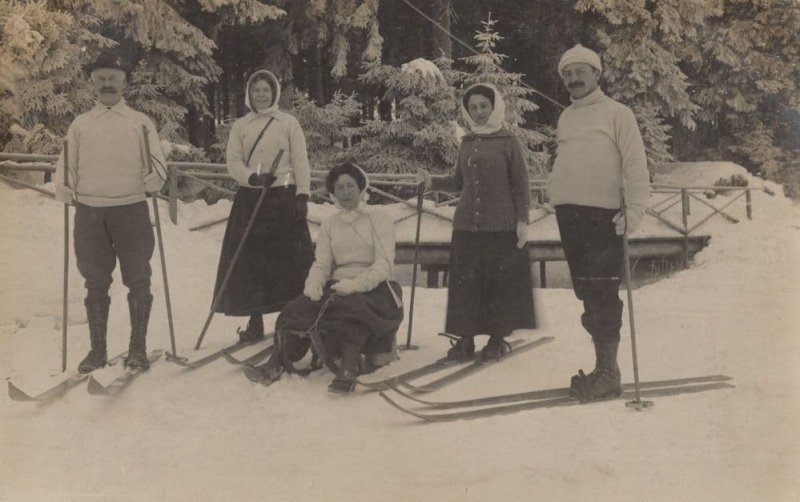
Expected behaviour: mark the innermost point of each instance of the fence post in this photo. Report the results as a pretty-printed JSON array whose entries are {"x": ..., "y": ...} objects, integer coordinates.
[
  {"x": 543, "y": 274},
  {"x": 749, "y": 198},
  {"x": 174, "y": 172},
  {"x": 685, "y": 219}
]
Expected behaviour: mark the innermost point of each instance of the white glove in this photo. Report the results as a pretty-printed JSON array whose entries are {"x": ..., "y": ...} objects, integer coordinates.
[
  {"x": 64, "y": 194},
  {"x": 346, "y": 287},
  {"x": 630, "y": 224},
  {"x": 153, "y": 182},
  {"x": 423, "y": 176},
  {"x": 522, "y": 234},
  {"x": 313, "y": 292}
]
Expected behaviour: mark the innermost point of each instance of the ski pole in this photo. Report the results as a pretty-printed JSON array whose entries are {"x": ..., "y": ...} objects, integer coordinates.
[
  {"x": 637, "y": 403},
  {"x": 64, "y": 309},
  {"x": 149, "y": 161},
  {"x": 236, "y": 254},
  {"x": 420, "y": 194}
]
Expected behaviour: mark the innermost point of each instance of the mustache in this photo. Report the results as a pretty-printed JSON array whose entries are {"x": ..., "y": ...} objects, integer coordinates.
[
  {"x": 575, "y": 84},
  {"x": 108, "y": 89}
]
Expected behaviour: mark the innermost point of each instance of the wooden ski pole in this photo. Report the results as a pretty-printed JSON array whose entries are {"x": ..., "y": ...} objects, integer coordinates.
[
  {"x": 420, "y": 194},
  {"x": 236, "y": 254},
  {"x": 149, "y": 161},
  {"x": 637, "y": 402},
  {"x": 64, "y": 308}
]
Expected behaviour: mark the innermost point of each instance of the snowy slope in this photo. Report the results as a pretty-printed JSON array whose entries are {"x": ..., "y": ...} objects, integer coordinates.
[{"x": 212, "y": 435}]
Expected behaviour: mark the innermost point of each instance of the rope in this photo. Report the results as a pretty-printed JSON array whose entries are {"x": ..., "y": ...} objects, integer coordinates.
[{"x": 471, "y": 49}]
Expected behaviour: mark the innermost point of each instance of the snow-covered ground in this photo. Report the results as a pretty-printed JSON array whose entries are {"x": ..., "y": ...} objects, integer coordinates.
[{"x": 213, "y": 435}]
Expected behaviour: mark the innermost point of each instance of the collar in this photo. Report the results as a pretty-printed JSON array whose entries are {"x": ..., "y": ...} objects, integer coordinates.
[
  {"x": 253, "y": 116},
  {"x": 592, "y": 98},
  {"x": 121, "y": 108},
  {"x": 504, "y": 132}
]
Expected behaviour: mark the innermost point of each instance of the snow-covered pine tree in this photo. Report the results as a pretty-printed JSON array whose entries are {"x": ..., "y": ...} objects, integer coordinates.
[
  {"x": 41, "y": 81},
  {"x": 421, "y": 134},
  {"x": 324, "y": 126},
  {"x": 746, "y": 83},
  {"x": 173, "y": 59},
  {"x": 642, "y": 46},
  {"x": 488, "y": 68}
]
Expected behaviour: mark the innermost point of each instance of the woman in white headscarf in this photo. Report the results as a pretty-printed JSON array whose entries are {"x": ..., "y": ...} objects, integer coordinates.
[
  {"x": 277, "y": 252},
  {"x": 490, "y": 289},
  {"x": 351, "y": 302}
]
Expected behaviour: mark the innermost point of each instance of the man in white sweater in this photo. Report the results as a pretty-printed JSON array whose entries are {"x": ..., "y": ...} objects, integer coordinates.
[
  {"x": 107, "y": 180},
  {"x": 600, "y": 151}
]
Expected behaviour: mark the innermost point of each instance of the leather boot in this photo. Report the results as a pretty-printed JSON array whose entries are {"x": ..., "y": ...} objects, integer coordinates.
[
  {"x": 139, "y": 307},
  {"x": 604, "y": 381},
  {"x": 254, "y": 331},
  {"x": 97, "y": 317},
  {"x": 345, "y": 380}
]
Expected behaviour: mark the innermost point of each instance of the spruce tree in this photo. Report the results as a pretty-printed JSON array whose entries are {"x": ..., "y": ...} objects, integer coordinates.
[{"x": 421, "y": 134}]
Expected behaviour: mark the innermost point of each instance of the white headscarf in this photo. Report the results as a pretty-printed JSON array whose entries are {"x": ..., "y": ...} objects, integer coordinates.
[
  {"x": 276, "y": 90},
  {"x": 495, "y": 122},
  {"x": 349, "y": 215}
]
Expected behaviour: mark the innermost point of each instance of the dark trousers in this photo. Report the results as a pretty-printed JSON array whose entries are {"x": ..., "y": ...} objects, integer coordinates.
[
  {"x": 594, "y": 256},
  {"x": 103, "y": 235}
]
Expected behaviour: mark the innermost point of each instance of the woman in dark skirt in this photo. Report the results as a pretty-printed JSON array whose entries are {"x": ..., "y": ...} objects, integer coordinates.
[
  {"x": 277, "y": 252},
  {"x": 350, "y": 303},
  {"x": 490, "y": 289}
]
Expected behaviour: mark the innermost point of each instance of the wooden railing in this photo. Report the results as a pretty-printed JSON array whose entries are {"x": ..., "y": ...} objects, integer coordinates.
[{"x": 205, "y": 173}]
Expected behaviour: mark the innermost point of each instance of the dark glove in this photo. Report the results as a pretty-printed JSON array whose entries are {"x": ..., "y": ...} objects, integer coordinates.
[
  {"x": 301, "y": 207},
  {"x": 264, "y": 180}
]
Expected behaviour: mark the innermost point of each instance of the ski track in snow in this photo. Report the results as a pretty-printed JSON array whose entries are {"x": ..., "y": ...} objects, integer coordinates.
[{"x": 210, "y": 434}]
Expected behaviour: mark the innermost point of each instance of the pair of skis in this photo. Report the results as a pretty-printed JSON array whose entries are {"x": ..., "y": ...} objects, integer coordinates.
[
  {"x": 549, "y": 398},
  {"x": 95, "y": 386},
  {"x": 226, "y": 352},
  {"x": 465, "y": 369}
]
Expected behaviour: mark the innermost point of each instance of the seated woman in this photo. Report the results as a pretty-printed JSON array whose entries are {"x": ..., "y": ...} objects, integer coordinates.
[{"x": 350, "y": 299}]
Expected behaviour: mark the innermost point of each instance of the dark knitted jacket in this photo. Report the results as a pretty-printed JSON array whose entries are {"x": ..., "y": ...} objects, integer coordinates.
[{"x": 493, "y": 180}]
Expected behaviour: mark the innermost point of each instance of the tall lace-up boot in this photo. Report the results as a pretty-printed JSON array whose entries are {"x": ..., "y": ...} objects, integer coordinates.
[
  {"x": 97, "y": 317},
  {"x": 139, "y": 307}
]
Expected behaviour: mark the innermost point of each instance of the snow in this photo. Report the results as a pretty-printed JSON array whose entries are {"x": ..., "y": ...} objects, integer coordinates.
[{"x": 210, "y": 434}]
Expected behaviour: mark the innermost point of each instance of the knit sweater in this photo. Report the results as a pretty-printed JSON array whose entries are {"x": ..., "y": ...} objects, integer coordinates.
[
  {"x": 599, "y": 146},
  {"x": 362, "y": 250},
  {"x": 107, "y": 156},
  {"x": 283, "y": 133},
  {"x": 493, "y": 180}
]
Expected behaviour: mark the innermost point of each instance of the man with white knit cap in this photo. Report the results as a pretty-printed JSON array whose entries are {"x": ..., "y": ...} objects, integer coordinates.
[{"x": 600, "y": 151}]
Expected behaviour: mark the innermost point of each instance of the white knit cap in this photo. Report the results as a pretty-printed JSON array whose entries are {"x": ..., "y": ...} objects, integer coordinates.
[{"x": 580, "y": 54}]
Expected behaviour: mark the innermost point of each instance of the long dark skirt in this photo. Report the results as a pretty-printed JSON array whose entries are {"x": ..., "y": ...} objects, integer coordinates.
[
  {"x": 490, "y": 289},
  {"x": 274, "y": 262},
  {"x": 369, "y": 320}
]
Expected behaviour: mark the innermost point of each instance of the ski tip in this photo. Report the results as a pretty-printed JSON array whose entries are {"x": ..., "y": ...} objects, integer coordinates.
[
  {"x": 94, "y": 387},
  {"x": 16, "y": 394}
]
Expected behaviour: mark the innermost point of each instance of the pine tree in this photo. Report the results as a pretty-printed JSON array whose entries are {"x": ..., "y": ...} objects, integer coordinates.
[
  {"x": 643, "y": 46},
  {"x": 746, "y": 82},
  {"x": 421, "y": 134},
  {"x": 41, "y": 85}
]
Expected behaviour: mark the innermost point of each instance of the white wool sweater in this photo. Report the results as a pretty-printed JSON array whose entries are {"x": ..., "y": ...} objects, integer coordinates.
[
  {"x": 362, "y": 250},
  {"x": 599, "y": 146}
]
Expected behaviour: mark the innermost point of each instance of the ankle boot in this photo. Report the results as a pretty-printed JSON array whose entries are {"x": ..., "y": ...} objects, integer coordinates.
[
  {"x": 345, "y": 380},
  {"x": 604, "y": 381},
  {"x": 462, "y": 350},
  {"x": 97, "y": 317},
  {"x": 139, "y": 307},
  {"x": 254, "y": 331}
]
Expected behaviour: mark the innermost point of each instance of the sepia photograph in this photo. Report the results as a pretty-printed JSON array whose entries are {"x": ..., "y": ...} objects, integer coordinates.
[{"x": 399, "y": 250}]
